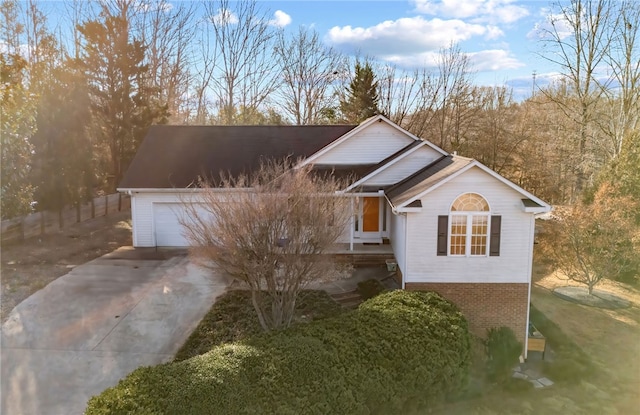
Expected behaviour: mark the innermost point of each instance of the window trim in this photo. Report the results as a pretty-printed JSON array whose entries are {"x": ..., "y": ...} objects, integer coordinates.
[{"x": 469, "y": 215}]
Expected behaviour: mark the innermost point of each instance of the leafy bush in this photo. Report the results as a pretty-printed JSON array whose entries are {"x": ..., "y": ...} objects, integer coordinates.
[
  {"x": 397, "y": 353},
  {"x": 503, "y": 351},
  {"x": 233, "y": 318},
  {"x": 370, "y": 288}
]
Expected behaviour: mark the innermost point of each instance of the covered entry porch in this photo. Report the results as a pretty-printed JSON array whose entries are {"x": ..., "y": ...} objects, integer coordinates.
[{"x": 370, "y": 220}]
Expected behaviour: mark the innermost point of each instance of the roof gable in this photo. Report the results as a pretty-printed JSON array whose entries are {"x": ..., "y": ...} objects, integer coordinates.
[
  {"x": 175, "y": 156},
  {"x": 371, "y": 142},
  {"x": 398, "y": 166},
  {"x": 439, "y": 173}
]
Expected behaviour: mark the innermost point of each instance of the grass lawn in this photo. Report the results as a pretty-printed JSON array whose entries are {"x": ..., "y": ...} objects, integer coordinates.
[{"x": 595, "y": 364}]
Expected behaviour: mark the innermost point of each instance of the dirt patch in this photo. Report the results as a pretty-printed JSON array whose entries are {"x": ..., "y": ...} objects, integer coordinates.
[{"x": 30, "y": 265}]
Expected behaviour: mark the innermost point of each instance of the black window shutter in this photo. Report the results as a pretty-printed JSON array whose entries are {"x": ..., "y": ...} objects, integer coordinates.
[
  {"x": 496, "y": 225},
  {"x": 443, "y": 228}
]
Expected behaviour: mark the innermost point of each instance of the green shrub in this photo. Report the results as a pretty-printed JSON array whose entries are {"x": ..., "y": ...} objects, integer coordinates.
[
  {"x": 398, "y": 352},
  {"x": 503, "y": 352},
  {"x": 232, "y": 318},
  {"x": 370, "y": 288}
]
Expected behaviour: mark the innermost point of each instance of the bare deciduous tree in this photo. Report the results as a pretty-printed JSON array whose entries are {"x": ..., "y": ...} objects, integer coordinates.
[
  {"x": 405, "y": 94},
  {"x": 245, "y": 69},
  {"x": 166, "y": 31},
  {"x": 453, "y": 90},
  {"x": 308, "y": 68},
  {"x": 592, "y": 242},
  {"x": 579, "y": 40},
  {"x": 496, "y": 133},
  {"x": 623, "y": 99},
  {"x": 270, "y": 231}
]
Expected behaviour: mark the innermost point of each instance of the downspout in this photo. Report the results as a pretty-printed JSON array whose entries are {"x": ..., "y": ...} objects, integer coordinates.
[
  {"x": 395, "y": 211},
  {"x": 406, "y": 239},
  {"x": 532, "y": 229},
  {"x": 134, "y": 231}
]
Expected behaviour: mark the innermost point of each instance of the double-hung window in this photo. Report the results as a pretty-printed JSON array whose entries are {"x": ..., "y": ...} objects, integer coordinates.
[{"x": 469, "y": 229}]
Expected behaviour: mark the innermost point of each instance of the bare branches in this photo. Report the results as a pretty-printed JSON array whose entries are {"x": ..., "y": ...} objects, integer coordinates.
[
  {"x": 270, "y": 231},
  {"x": 595, "y": 241},
  {"x": 580, "y": 38},
  {"x": 308, "y": 69},
  {"x": 244, "y": 42},
  {"x": 166, "y": 31}
]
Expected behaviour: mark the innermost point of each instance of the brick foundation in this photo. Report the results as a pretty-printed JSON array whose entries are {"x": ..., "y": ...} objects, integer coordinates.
[{"x": 486, "y": 305}]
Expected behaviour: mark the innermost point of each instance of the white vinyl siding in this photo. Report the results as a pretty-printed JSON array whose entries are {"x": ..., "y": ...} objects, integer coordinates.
[
  {"x": 397, "y": 238},
  {"x": 512, "y": 266},
  {"x": 404, "y": 167},
  {"x": 369, "y": 146}
]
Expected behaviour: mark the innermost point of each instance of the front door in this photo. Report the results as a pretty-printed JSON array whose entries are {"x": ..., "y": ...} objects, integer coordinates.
[{"x": 371, "y": 214}]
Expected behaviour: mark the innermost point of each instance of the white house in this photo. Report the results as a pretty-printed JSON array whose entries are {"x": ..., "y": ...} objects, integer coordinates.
[{"x": 455, "y": 226}]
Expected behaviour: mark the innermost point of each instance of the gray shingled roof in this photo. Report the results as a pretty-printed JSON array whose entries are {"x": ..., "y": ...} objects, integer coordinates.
[
  {"x": 175, "y": 156},
  {"x": 425, "y": 178}
]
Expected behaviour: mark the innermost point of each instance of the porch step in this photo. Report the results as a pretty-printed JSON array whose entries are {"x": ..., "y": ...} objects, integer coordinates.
[{"x": 350, "y": 299}]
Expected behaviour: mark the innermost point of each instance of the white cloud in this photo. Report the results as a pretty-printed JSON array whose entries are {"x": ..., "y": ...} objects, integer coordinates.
[
  {"x": 416, "y": 60},
  {"x": 224, "y": 17},
  {"x": 280, "y": 19},
  {"x": 491, "y": 11},
  {"x": 405, "y": 35},
  {"x": 555, "y": 24},
  {"x": 493, "y": 32},
  {"x": 493, "y": 60},
  {"x": 482, "y": 61},
  {"x": 416, "y": 42}
]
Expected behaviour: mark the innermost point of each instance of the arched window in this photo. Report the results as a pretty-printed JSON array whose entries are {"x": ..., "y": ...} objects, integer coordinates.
[{"x": 469, "y": 225}]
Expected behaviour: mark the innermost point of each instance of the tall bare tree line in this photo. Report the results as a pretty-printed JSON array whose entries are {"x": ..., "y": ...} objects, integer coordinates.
[{"x": 229, "y": 63}]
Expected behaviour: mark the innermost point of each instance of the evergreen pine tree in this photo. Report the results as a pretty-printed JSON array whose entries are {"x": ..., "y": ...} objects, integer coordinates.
[
  {"x": 122, "y": 104},
  {"x": 62, "y": 158},
  {"x": 16, "y": 128},
  {"x": 361, "y": 99}
]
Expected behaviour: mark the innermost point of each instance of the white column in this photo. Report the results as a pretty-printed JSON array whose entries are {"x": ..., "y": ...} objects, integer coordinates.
[{"x": 352, "y": 226}]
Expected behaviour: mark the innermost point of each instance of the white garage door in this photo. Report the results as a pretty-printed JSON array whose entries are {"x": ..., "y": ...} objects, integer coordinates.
[{"x": 168, "y": 230}]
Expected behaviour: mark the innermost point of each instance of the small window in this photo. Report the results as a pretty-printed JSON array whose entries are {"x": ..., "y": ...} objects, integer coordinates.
[{"x": 469, "y": 226}]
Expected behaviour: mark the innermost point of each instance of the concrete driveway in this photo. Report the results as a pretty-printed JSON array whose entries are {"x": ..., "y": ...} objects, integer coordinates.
[{"x": 93, "y": 326}]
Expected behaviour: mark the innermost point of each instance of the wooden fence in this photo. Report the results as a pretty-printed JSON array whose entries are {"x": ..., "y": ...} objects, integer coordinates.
[{"x": 41, "y": 223}]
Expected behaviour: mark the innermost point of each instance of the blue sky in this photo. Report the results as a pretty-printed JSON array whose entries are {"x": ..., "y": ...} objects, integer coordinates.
[{"x": 500, "y": 36}]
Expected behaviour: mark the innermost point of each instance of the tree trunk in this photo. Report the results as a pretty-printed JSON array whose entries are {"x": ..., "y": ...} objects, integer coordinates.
[{"x": 256, "y": 306}]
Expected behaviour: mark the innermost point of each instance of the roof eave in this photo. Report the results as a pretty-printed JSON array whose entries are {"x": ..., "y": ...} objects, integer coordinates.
[
  {"x": 541, "y": 209},
  {"x": 409, "y": 210},
  {"x": 543, "y": 205}
]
